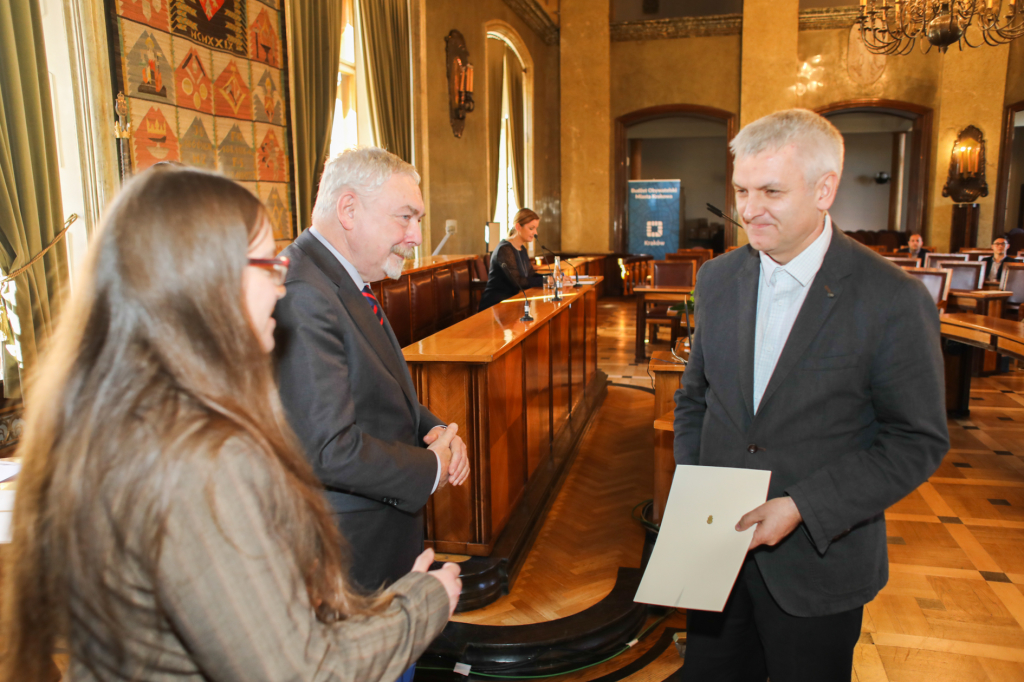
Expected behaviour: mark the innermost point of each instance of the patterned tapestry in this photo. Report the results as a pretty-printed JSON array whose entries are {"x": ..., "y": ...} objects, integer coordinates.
[{"x": 206, "y": 84}]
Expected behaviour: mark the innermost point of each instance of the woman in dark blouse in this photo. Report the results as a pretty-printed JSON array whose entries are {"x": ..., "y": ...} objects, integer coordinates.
[{"x": 512, "y": 254}]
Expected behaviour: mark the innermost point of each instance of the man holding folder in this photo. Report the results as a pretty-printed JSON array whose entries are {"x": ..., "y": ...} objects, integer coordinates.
[{"x": 818, "y": 360}]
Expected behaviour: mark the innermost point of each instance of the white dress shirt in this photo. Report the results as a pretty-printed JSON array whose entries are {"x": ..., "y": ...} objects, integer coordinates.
[
  {"x": 781, "y": 291},
  {"x": 360, "y": 284}
]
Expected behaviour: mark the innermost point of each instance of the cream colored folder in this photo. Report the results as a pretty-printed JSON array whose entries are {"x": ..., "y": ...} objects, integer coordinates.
[{"x": 699, "y": 552}]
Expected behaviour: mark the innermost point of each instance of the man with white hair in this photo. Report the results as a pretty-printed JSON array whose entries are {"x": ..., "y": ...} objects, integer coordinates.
[
  {"x": 818, "y": 360},
  {"x": 344, "y": 383}
]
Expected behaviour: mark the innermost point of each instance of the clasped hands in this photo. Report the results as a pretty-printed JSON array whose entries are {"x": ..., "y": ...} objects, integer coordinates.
[
  {"x": 775, "y": 520},
  {"x": 451, "y": 450}
]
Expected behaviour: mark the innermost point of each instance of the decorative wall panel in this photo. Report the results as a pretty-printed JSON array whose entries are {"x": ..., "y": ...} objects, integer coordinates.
[{"x": 207, "y": 86}]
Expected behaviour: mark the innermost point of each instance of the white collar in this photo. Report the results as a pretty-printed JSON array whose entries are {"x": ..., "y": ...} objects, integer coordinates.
[
  {"x": 349, "y": 268},
  {"x": 805, "y": 266}
]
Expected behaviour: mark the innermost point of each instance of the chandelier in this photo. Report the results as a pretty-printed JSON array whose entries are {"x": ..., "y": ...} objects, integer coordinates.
[{"x": 894, "y": 26}]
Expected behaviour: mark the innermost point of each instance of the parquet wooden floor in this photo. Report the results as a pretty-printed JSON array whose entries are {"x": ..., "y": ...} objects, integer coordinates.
[{"x": 954, "y": 605}]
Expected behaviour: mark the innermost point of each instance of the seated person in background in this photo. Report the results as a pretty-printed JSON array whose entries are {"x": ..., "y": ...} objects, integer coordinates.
[
  {"x": 513, "y": 255},
  {"x": 994, "y": 263},
  {"x": 914, "y": 248},
  {"x": 182, "y": 535}
]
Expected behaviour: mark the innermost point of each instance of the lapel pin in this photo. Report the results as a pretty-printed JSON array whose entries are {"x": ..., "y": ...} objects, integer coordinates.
[{"x": 830, "y": 294}]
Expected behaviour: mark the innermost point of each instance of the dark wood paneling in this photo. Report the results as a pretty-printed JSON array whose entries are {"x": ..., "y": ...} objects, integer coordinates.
[
  {"x": 559, "y": 339},
  {"x": 590, "y": 308},
  {"x": 446, "y": 387},
  {"x": 424, "y": 305},
  {"x": 463, "y": 296},
  {"x": 577, "y": 352},
  {"x": 537, "y": 368},
  {"x": 507, "y": 443},
  {"x": 444, "y": 291}
]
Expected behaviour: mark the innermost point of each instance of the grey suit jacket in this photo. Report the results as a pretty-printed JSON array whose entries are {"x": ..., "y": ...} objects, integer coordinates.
[
  {"x": 852, "y": 420},
  {"x": 350, "y": 399},
  {"x": 228, "y": 605}
]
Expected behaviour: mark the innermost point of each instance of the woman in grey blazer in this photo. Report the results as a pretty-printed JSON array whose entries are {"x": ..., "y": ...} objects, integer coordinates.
[{"x": 166, "y": 525}]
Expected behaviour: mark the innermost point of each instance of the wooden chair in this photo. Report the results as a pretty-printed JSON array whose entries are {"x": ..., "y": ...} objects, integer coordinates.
[
  {"x": 976, "y": 254},
  {"x": 478, "y": 281},
  {"x": 704, "y": 254},
  {"x": 877, "y": 248},
  {"x": 679, "y": 273},
  {"x": 1013, "y": 280},
  {"x": 635, "y": 271},
  {"x": 968, "y": 276},
  {"x": 396, "y": 302},
  {"x": 936, "y": 280},
  {"x": 905, "y": 262},
  {"x": 731, "y": 248},
  {"x": 932, "y": 260},
  {"x": 890, "y": 240}
]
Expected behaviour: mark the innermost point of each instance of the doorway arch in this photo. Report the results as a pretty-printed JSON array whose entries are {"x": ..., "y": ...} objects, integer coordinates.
[
  {"x": 1003, "y": 221},
  {"x": 620, "y": 237},
  {"x": 918, "y": 154}
]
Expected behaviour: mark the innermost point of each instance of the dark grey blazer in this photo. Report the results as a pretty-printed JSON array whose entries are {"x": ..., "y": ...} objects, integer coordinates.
[
  {"x": 852, "y": 420},
  {"x": 350, "y": 399}
]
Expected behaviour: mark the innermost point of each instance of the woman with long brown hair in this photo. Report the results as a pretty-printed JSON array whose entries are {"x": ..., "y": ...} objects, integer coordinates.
[{"x": 166, "y": 525}]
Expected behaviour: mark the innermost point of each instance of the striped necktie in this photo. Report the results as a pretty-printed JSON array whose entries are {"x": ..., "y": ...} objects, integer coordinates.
[{"x": 372, "y": 300}]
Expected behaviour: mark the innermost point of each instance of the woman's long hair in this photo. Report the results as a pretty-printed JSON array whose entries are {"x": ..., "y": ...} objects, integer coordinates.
[{"x": 155, "y": 364}]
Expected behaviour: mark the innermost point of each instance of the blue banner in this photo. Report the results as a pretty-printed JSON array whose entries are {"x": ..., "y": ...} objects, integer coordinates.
[{"x": 653, "y": 217}]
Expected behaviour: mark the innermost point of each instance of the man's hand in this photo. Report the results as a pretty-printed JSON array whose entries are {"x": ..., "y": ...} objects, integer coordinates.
[
  {"x": 447, "y": 574},
  {"x": 775, "y": 520},
  {"x": 456, "y": 465}
]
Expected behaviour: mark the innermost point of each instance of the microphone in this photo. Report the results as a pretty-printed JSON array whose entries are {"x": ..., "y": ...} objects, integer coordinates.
[
  {"x": 574, "y": 286},
  {"x": 718, "y": 212},
  {"x": 526, "y": 302}
]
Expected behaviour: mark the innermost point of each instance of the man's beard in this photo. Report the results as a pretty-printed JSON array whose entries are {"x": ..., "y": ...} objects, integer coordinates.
[{"x": 394, "y": 270}]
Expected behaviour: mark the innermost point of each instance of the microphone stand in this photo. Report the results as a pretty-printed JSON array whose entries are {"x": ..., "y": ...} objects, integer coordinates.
[
  {"x": 718, "y": 212},
  {"x": 574, "y": 286},
  {"x": 526, "y": 302}
]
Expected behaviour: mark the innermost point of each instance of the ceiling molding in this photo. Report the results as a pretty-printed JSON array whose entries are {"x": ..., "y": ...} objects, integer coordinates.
[
  {"x": 537, "y": 18},
  {"x": 723, "y": 24},
  {"x": 828, "y": 18},
  {"x": 680, "y": 27}
]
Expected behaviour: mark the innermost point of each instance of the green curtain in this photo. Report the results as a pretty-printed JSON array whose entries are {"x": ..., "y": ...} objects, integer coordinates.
[
  {"x": 516, "y": 119},
  {"x": 315, "y": 52},
  {"x": 495, "y": 87},
  {"x": 30, "y": 204},
  {"x": 385, "y": 33}
]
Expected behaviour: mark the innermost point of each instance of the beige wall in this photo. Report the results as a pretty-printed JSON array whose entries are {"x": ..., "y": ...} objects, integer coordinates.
[
  {"x": 972, "y": 93},
  {"x": 456, "y": 185},
  {"x": 704, "y": 71},
  {"x": 586, "y": 125},
  {"x": 913, "y": 78}
]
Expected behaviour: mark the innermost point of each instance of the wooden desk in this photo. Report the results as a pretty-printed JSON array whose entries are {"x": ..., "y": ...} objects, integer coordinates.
[
  {"x": 987, "y": 302},
  {"x": 591, "y": 266},
  {"x": 652, "y": 293},
  {"x": 522, "y": 394},
  {"x": 667, "y": 375},
  {"x": 970, "y": 331},
  {"x": 664, "y": 463}
]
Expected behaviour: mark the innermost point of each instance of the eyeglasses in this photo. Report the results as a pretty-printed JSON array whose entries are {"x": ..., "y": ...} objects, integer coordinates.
[{"x": 277, "y": 267}]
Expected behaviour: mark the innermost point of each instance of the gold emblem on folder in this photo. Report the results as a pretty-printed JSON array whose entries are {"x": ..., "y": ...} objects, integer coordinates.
[{"x": 710, "y": 519}]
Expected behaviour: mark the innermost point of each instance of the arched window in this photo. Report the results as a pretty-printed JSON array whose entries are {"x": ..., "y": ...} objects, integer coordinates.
[{"x": 509, "y": 122}]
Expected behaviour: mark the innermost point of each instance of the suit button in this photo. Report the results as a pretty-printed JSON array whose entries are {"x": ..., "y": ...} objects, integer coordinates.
[{"x": 751, "y": 449}]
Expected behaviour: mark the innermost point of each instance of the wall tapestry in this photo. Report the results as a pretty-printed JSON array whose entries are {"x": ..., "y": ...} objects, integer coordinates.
[{"x": 206, "y": 83}]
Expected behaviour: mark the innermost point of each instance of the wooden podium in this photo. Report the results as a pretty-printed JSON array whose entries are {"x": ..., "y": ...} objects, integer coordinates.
[{"x": 522, "y": 394}]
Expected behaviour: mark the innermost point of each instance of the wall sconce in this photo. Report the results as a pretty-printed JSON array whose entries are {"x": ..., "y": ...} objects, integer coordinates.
[
  {"x": 965, "y": 182},
  {"x": 966, "y": 179},
  {"x": 460, "y": 81}
]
